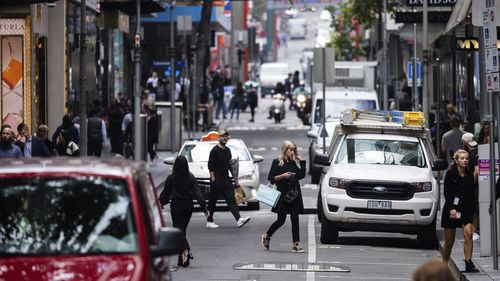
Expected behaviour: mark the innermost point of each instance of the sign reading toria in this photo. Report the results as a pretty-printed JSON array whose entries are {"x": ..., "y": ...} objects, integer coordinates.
[
  {"x": 12, "y": 27},
  {"x": 431, "y": 2}
]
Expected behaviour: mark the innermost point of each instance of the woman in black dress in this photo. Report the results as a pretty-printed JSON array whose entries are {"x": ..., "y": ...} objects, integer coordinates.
[
  {"x": 286, "y": 171},
  {"x": 180, "y": 189},
  {"x": 458, "y": 209}
]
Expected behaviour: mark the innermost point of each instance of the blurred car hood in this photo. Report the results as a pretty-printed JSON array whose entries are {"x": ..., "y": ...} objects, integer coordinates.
[{"x": 71, "y": 268}]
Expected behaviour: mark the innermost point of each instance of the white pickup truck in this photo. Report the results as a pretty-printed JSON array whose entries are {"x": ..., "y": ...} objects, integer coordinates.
[{"x": 379, "y": 176}]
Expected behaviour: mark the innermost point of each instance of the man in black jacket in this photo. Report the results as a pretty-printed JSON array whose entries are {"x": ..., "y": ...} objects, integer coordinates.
[{"x": 220, "y": 182}]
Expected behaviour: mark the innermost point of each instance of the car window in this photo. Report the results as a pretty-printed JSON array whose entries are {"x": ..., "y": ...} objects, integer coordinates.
[
  {"x": 77, "y": 215},
  {"x": 334, "y": 107},
  {"x": 201, "y": 151},
  {"x": 383, "y": 152}
]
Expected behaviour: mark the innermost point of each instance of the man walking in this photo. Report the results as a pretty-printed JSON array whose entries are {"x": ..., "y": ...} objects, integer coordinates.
[
  {"x": 7, "y": 148},
  {"x": 220, "y": 183},
  {"x": 96, "y": 134}
]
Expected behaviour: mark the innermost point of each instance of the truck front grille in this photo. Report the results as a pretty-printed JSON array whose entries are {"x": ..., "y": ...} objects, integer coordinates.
[{"x": 380, "y": 190}]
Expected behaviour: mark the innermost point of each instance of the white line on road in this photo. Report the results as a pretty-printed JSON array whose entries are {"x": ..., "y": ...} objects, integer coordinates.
[
  {"x": 257, "y": 148},
  {"x": 311, "y": 257}
]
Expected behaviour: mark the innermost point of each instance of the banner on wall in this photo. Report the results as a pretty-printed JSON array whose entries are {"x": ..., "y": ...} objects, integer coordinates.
[{"x": 12, "y": 71}]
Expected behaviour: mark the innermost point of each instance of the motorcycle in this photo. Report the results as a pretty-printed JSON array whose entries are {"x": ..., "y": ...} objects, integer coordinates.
[
  {"x": 302, "y": 104},
  {"x": 277, "y": 109}
]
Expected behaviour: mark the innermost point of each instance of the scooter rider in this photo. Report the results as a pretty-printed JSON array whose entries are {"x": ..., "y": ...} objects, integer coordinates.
[
  {"x": 279, "y": 92},
  {"x": 300, "y": 90}
]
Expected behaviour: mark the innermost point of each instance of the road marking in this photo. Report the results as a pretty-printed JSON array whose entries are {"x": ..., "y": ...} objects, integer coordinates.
[
  {"x": 271, "y": 148},
  {"x": 311, "y": 256},
  {"x": 257, "y": 148}
]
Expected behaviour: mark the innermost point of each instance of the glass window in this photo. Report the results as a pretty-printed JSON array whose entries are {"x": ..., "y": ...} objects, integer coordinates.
[
  {"x": 383, "y": 152},
  {"x": 77, "y": 215},
  {"x": 334, "y": 107},
  {"x": 201, "y": 151}
]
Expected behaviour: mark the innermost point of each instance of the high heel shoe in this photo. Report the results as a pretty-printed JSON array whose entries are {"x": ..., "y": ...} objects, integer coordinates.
[{"x": 186, "y": 256}]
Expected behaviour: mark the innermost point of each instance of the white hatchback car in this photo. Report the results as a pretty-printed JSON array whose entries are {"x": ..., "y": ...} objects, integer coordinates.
[{"x": 197, "y": 153}]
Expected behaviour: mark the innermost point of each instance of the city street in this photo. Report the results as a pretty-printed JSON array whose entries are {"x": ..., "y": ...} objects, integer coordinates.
[{"x": 408, "y": 100}]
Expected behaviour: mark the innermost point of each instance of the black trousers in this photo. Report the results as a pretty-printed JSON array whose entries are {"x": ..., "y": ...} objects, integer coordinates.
[
  {"x": 224, "y": 187},
  {"x": 181, "y": 211},
  {"x": 151, "y": 150},
  {"x": 94, "y": 148},
  {"x": 294, "y": 217}
]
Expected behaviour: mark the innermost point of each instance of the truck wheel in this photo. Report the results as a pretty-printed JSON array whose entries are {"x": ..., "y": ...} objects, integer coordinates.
[
  {"x": 426, "y": 238},
  {"x": 329, "y": 232}
]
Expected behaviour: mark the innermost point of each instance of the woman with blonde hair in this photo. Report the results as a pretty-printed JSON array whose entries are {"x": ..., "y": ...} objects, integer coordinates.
[
  {"x": 286, "y": 171},
  {"x": 458, "y": 209}
]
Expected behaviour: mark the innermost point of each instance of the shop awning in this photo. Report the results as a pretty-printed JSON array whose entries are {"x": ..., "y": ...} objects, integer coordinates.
[{"x": 459, "y": 13}]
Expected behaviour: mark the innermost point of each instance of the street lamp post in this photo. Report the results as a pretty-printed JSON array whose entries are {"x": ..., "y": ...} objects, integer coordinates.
[
  {"x": 172, "y": 78},
  {"x": 81, "y": 90},
  {"x": 137, "y": 86}
]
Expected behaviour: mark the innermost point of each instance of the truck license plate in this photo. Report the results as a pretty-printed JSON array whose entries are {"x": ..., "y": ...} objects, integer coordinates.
[{"x": 385, "y": 205}]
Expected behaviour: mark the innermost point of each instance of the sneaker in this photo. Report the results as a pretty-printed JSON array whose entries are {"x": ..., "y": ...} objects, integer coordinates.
[
  {"x": 212, "y": 224},
  {"x": 242, "y": 221},
  {"x": 475, "y": 236},
  {"x": 297, "y": 248},
  {"x": 265, "y": 241}
]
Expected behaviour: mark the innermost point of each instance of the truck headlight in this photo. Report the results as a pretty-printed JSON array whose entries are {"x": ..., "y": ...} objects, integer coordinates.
[
  {"x": 422, "y": 186},
  {"x": 248, "y": 176},
  {"x": 338, "y": 183}
]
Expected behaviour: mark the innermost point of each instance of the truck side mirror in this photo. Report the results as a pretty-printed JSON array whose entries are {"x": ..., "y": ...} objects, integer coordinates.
[
  {"x": 322, "y": 160},
  {"x": 440, "y": 164}
]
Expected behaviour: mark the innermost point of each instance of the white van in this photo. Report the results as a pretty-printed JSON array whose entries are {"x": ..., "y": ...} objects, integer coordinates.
[
  {"x": 270, "y": 74},
  {"x": 337, "y": 100},
  {"x": 297, "y": 28},
  {"x": 379, "y": 177}
]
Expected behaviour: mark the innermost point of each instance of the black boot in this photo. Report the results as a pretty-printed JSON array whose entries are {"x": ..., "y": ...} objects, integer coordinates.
[
  {"x": 186, "y": 256},
  {"x": 470, "y": 267}
]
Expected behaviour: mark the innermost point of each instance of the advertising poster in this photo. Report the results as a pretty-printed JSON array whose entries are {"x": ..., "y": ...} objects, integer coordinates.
[
  {"x": 484, "y": 169},
  {"x": 12, "y": 71}
]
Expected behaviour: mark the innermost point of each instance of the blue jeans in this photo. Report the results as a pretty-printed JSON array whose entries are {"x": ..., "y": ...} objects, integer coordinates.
[{"x": 220, "y": 104}]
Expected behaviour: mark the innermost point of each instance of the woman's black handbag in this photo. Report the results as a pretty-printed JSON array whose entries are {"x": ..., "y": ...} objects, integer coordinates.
[{"x": 291, "y": 194}]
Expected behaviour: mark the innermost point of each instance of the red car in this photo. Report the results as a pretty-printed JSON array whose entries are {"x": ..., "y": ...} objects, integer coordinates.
[{"x": 82, "y": 219}]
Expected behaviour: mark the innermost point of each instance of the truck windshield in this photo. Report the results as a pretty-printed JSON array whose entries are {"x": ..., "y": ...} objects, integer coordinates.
[
  {"x": 383, "y": 152},
  {"x": 334, "y": 107},
  {"x": 66, "y": 216}
]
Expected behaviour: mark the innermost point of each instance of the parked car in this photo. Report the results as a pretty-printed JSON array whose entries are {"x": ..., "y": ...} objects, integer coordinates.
[
  {"x": 197, "y": 153},
  {"x": 82, "y": 219},
  {"x": 379, "y": 176}
]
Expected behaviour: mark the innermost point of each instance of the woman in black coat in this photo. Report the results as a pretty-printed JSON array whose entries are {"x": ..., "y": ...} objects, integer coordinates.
[
  {"x": 180, "y": 190},
  {"x": 286, "y": 171},
  {"x": 458, "y": 209}
]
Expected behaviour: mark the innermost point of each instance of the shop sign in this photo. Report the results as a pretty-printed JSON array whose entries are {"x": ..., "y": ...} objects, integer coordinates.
[
  {"x": 439, "y": 3},
  {"x": 12, "y": 27},
  {"x": 484, "y": 169},
  {"x": 417, "y": 17},
  {"x": 13, "y": 71}
]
